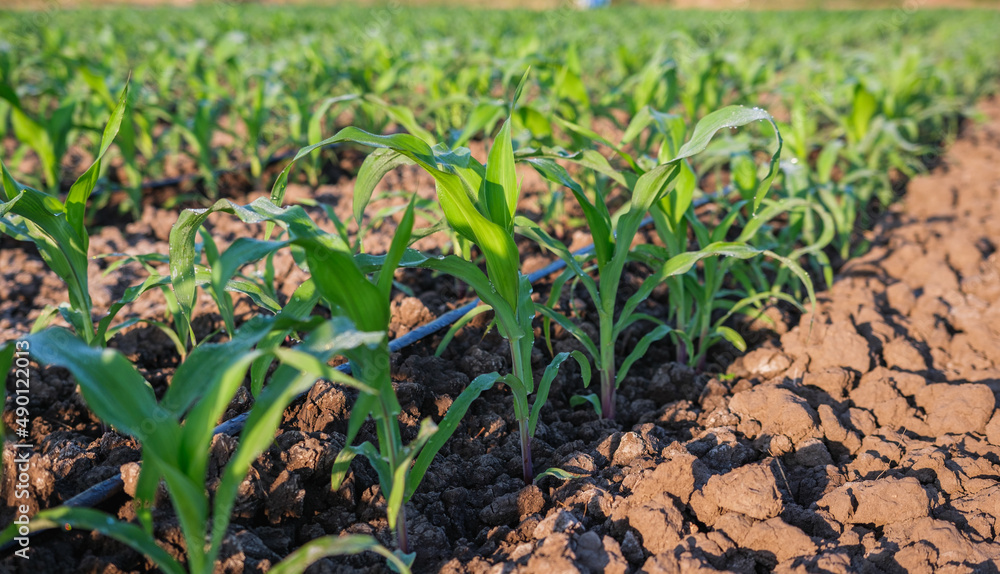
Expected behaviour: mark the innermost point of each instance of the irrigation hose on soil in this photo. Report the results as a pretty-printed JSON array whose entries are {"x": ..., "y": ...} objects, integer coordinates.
[{"x": 104, "y": 490}]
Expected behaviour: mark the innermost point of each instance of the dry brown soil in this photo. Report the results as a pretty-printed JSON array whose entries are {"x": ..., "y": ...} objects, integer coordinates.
[{"x": 861, "y": 439}]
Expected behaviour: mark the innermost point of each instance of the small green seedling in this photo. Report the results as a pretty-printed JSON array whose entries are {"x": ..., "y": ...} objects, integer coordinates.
[
  {"x": 347, "y": 291},
  {"x": 176, "y": 432},
  {"x": 673, "y": 182},
  {"x": 58, "y": 230},
  {"x": 479, "y": 203}
]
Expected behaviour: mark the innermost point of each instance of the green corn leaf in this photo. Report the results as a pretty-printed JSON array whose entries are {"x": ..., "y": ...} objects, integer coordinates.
[
  {"x": 462, "y": 270},
  {"x": 79, "y": 193},
  {"x": 254, "y": 292},
  {"x": 542, "y": 395},
  {"x": 639, "y": 122},
  {"x": 502, "y": 258},
  {"x": 375, "y": 458},
  {"x": 112, "y": 387},
  {"x": 651, "y": 185},
  {"x": 329, "y": 338},
  {"x": 145, "y": 492},
  {"x": 590, "y": 159},
  {"x": 241, "y": 252},
  {"x": 76, "y": 318},
  {"x": 555, "y": 293},
  {"x": 401, "y": 115},
  {"x": 219, "y": 388},
  {"x": 457, "y": 325},
  {"x": 60, "y": 246},
  {"x": 721, "y": 230},
  {"x": 341, "y": 466},
  {"x": 597, "y": 216},
  {"x": 299, "y": 307},
  {"x": 533, "y": 231},
  {"x": 594, "y": 136},
  {"x": 520, "y": 87},
  {"x": 557, "y": 473},
  {"x": 95, "y": 520},
  {"x": 469, "y": 170},
  {"x": 482, "y": 117},
  {"x": 38, "y": 139},
  {"x": 104, "y": 331},
  {"x": 343, "y": 545},
  {"x": 625, "y": 321},
  {"x": 183, "y": 254},
  {"x": 397, "y": 249},
  {"x": 310, "y": 363},
  {"x": 446, "y": 428},
  {"x": 190, "y": 501},
  {"x": 744, "y": 173},
  {"x": 591, "y": 398},
  {"x": 584, "y": 364},
  {"x": 500, "y": 188},
  {"x": 8, "y": 205},
  {"x": 862, "y": 111},
  {"x": 571, "y": 327},
  {"x": 194, "y": 377},
  {"x": 396, "y": 496},
  {"x": 339, "y": 281},
  {"x": 373, "y": 169},
  {"x": 681, "y": 264},
  {"x": 732, "y": 336},
  {"x": 827, "y": 160},
  {"x": 640, "y": 350}
]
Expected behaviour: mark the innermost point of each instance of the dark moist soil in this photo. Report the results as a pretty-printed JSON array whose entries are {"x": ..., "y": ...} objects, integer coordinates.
[{"x": 861, "y": 439}]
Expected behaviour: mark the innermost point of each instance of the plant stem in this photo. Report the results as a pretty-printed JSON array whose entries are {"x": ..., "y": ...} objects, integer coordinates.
[
  {"x": 607, "y": 366},
  {"x": 401, "y": 536},
  {"x": 608, "y": 392},
  {"x": 522, "y": 370},
  {"x": 526, "y": 465}
]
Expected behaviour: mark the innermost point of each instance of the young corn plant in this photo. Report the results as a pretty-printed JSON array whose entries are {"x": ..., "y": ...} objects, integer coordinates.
[
  {"x": 176, "y": 432},
  {"x": 699, "y": 295},
  {"x": 47, "y": 136},
  {"x": 479, "y": 203},
  {"x": 672, "y": 182},
  {"x": 400, "y": 467},
  {"x": 58, "y": 230},
  {"x": 134, "y": 141},
  {"x": 344, "y": 287}
]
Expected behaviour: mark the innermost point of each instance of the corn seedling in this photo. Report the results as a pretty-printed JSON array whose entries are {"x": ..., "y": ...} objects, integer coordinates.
[
  {"x": 337, "y": 280},
  {"x": 479, "y": 203},
  {"x": 672, "y": 182},
  {"x": 176, "y": 432},
  {"x": 47, "y": 136},
  {"x": 58, "y": 230}
]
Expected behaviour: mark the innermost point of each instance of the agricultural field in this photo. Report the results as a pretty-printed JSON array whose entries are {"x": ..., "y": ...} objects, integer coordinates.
[{"x": 432, "y": 289}]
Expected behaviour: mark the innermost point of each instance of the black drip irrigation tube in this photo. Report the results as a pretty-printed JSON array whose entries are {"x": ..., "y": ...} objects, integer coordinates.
[{"x": 106, "y": 489}]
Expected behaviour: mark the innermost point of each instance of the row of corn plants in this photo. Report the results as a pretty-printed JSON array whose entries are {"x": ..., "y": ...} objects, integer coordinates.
[
  {"x": 479, "y": 203},
  {"x": 229, "y": 92},
  {"x": 788, "y": 195}
]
